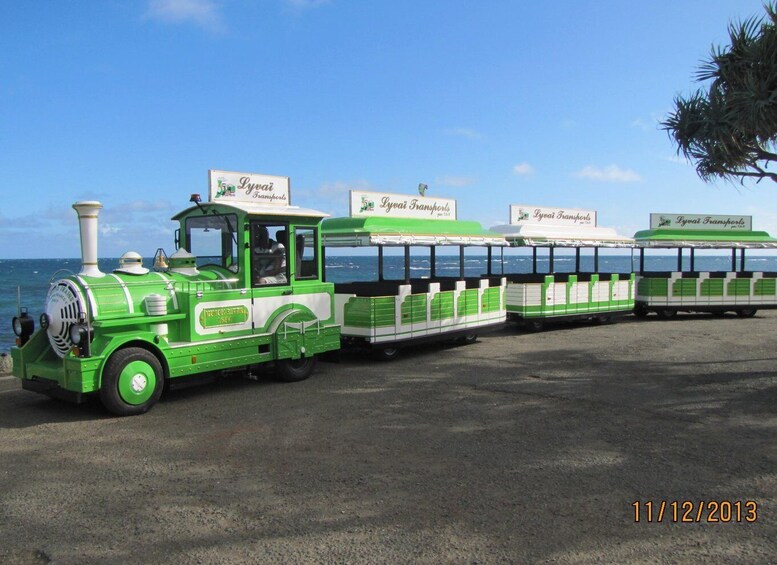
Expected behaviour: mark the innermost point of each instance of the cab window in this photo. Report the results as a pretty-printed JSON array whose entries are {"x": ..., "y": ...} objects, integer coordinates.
[
  {"x": 213, "y": 241},
  {"x": 306, "y": 246},
  {"x": 269, "y": 249}
]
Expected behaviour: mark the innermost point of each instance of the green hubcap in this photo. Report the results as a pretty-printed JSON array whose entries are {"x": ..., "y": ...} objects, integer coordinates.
[{"x": 137, "y": 382}]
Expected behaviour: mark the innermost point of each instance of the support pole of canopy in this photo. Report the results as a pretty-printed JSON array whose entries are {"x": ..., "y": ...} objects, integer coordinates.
[
  {"x": 534, "y": 260},
  {"x": 577, "y": 259},
  {"x": 407, "y": 264},
  {"x": 550, "y": 260},
  {"x": 502, "y": 261},
  {"x": 323, "y": 263},
  {"x": 693, "y": 260},
  {"x": 596, "y": 259},
  {"x": 679, "y": 259},
  {"x": 380, "y": 262},
  {"x": 733, "y": 259},
  {"x": 432, "y": 259},
  {"x": 641, "y": 260},
  {"x": 490, "y": 252},
  {"x": 461, "y": 261},
  {"x": 742, "y": 263}
]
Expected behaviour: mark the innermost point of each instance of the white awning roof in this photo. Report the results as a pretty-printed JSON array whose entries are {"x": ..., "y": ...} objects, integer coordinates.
[
  {"x": 365, "y": 240},
  {"x": 260, "y": 209},
  {"x": 540, "y": 235}
]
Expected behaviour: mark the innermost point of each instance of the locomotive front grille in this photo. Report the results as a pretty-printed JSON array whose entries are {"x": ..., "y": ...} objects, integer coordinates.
[{"x": 65, "y": 307}]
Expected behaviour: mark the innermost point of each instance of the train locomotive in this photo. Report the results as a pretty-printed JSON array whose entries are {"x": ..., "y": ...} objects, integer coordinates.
[{"x": 243, "y": 288}]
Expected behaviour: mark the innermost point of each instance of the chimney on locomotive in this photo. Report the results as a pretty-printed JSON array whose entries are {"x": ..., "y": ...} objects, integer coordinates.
[{"x": 87, "y": 222}]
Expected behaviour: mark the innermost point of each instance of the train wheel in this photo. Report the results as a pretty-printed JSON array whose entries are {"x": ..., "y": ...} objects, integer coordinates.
[
  {"x": 385, "y": 353},
  {"x": 132, "y": 382},
  {"x": 535, "y": 325},
  {"x": 294, "y": 370},
  {"x": 469, "y": 338},
  {"x": 640, "y": 311},
  {"x": 667, "y": 314},
  {"x": 746, "y": 312}
]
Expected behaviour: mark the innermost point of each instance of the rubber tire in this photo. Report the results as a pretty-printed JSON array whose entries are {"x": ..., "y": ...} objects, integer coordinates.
[
  {"x": 110, "y": 388},
  {"x": 666, "y": 314},
  {"x": 534, "y": 325},
  {"x": 467, "y": 339},
  {"x": 641, "y": 311},
  {"x": 385, "y": 353},
  {"x": 746, "y": 312},
  {"x": 603, "y": 320},
  {"x": 295, "y": 370}
]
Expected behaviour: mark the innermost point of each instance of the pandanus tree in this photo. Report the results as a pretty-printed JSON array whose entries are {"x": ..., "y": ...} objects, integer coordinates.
[{"x": 729, "y": 129}]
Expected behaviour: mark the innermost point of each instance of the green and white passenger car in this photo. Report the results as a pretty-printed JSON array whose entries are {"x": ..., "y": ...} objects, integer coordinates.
[
  {"x": 244, "y": 287},
  {"x": 538, "y": 297},
  {"x": 690, "y": 290},
  {"x": 385, "y": 315}
]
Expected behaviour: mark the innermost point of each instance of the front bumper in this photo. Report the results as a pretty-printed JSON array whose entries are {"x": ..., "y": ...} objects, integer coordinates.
[{"x": 52, "y": 389}]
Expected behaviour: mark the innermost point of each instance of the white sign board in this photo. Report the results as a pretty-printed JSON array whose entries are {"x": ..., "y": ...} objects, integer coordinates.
[
  {"x": 227, "y": 186},
  {"x": 401, "y": 206},
  {"x": 521, "y": 214},
  {"x": 700, "y": 222}
]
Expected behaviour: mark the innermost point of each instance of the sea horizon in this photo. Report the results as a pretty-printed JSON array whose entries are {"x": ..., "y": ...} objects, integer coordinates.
[{"x": 32, "y": 277}]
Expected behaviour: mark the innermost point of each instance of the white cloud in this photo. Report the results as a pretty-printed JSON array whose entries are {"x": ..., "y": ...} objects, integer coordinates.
[
  {"x": 523, "y": 169},
  {"x": 677, "y": 159},
  {"x": 611, "y": 173},
  {"x": 203, "y": 13},
  {"x": 463, "y": 132},
  {"x": 456, "y": 181},
  {"x": 305, "y": 4},
  {"x": 107, "y": 229},
  {"x": 653, "y": 124}
]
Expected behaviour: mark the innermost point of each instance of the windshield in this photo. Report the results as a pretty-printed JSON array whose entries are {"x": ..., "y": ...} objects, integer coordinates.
[{"x": 212, "y": 241}]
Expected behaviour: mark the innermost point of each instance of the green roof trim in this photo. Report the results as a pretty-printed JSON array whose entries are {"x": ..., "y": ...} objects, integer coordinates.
[
  {"x": 376, "y": 230},
  {"x": 376, "y": 224},
  {"x": 708, "y": 238}
]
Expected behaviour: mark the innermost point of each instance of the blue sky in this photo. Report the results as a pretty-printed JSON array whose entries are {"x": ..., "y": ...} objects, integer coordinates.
[{"x": 491, "y": 103}]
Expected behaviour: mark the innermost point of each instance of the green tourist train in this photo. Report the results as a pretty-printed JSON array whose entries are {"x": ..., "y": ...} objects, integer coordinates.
[{"x": 246, "y": 286}]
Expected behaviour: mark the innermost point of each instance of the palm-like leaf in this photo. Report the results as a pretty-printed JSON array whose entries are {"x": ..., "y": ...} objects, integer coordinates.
[{"x": 729, "y": 129}]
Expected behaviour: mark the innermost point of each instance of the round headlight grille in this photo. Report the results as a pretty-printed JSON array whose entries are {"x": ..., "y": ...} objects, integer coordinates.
[{"x": 64, "y": 307}]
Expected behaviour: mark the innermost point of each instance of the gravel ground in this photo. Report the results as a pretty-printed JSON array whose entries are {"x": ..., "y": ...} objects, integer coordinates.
[{"x": 519, "y": 448}]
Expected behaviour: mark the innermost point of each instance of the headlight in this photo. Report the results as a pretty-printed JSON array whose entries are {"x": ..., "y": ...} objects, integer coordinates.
[
  {"x": 77, "y": 334},
  {"x": 17, "y": 326},
  {"x": 44, "y": 321},
  {"x": 23, "y": 326}
]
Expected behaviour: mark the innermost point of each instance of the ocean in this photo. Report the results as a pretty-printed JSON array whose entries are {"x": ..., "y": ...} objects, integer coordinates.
[{"x": 32, "y": 277}]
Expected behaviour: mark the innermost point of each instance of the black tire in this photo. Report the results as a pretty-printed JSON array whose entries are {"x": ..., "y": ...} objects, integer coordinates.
[
  {"x": 467, "y": 339},
  {"x": 641, "y": 311},
  {"x": 746, "y": 312},
  {"x": 385, "y": 353},
  {"x": 132, "y": 382},
  {"x": 534, "y": 325},
  {"x": 295, "y": 370},
  {"x": 666, "y": 314},
  {"x": 603, "y": 320}
]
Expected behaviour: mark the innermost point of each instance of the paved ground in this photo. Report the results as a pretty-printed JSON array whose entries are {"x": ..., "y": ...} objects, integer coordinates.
[{"x": 519, "y": 448}]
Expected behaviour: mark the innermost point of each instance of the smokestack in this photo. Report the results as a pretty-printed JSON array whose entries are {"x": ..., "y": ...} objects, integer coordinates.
[{"x": 87, "y": 223}]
